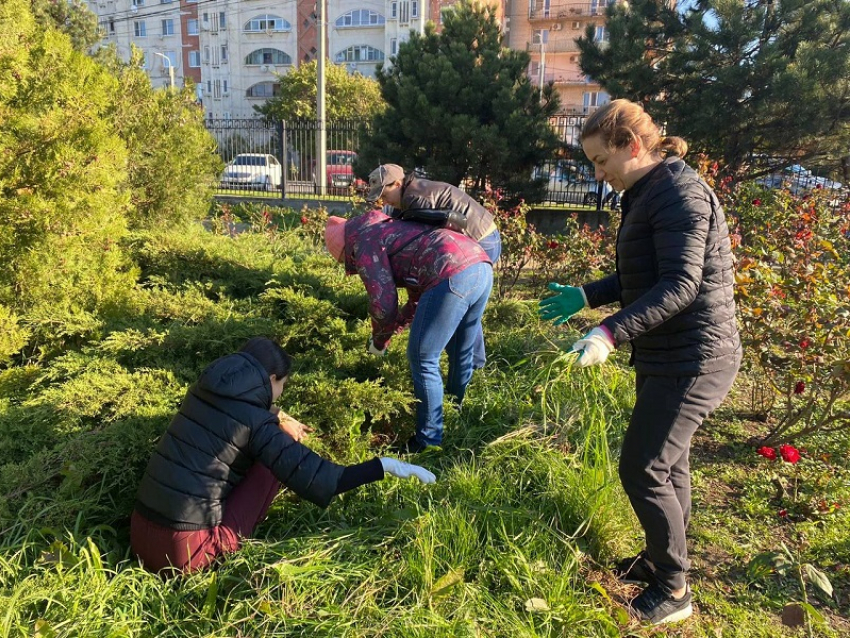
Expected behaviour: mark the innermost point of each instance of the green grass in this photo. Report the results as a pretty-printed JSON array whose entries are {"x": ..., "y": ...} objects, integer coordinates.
[{"x": 513, "y": 540}]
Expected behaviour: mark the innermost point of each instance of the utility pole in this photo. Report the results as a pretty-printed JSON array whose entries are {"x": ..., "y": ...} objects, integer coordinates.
[{"x": 321, "y": 133}]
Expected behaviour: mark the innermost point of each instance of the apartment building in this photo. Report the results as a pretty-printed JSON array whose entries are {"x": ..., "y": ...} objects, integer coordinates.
[
  {"x": 233, "y": 51},
  {"x": 547, "y": 29}
]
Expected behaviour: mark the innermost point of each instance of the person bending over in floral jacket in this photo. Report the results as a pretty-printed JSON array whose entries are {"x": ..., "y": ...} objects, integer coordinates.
[{"x": 448, "y": 278}]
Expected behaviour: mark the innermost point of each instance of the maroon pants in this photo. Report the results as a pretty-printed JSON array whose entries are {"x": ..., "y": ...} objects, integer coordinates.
[{"x": 161, "y": 548}]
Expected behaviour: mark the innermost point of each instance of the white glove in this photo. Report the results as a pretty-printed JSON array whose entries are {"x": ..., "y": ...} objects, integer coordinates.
[
  {"x": 371, "y": 349},
  {"x": 400, "y": 469},
  {"x": 594, "y": 347}
]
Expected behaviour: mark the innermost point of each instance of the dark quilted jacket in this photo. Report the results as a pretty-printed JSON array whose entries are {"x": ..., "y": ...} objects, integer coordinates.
[
  {"x": 223, "y": 427},
  {"x": 674, "y": 278}
]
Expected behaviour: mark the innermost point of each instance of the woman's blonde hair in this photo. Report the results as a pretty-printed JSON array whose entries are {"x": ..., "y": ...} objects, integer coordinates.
[{"x": 620, "y": 122}]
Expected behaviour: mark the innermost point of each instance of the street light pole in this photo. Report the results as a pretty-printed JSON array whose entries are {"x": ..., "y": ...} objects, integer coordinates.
[
  {"x": 170, "y": 68},
  {"x": 321, "y": 133}
]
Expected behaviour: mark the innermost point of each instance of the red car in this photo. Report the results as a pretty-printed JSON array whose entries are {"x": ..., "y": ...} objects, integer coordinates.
[{"x": 340, "y": 174}]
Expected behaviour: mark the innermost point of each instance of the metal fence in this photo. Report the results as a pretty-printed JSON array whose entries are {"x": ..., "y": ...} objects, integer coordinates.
[
  {"x": 279, "y": 160},
  {"x": 265, "y": 158}
]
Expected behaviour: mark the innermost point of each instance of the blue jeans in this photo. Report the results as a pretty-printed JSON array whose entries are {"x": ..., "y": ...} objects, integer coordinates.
[
  {"x": 448, "y": 318},
  {"x": 492, "y": 245}
]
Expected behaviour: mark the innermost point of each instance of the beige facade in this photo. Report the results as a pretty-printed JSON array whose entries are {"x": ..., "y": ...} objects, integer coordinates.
[
  {"x": 235, "y": 50},
  {"x": 547, "y": 29}
]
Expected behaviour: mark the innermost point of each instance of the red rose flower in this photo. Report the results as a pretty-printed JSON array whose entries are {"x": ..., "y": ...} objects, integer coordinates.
[
  {"x": 805, "y": 343},
  {"x": 767, "y": 452},
  {"x": 553, "y": 244},
  {"x": 783, "y": 513},
  {"x": 800, "y": 387},
  {"x": 304, "y": 220},
  {"x": 789, "y": 453},
  {"x": 756, "y": 202}
]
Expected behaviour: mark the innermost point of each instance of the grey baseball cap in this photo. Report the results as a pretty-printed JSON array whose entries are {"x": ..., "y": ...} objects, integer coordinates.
[{"x": 382, "y": 177}]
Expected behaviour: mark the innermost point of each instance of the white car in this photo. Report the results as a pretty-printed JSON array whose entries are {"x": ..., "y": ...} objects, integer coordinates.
[{"x": 255, "y": 171}]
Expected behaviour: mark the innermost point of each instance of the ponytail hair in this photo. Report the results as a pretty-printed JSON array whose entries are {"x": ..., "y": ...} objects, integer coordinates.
[
  {"x": 271, "y": 356},
  {"x": 620, "y": 122}
]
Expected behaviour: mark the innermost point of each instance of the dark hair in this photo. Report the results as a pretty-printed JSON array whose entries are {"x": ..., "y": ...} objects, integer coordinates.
[
  {"x": 270, "y": 355},
  {"x": 620, "y": 122}
]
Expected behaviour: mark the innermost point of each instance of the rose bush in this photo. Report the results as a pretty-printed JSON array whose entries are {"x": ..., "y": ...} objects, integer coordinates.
[{"x": 792, "y": 288}]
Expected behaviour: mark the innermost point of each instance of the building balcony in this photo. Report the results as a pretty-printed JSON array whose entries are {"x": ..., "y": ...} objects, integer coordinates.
[
  {"x": 561, "y": 79},
  {"x": 567, "y": 9},
  {"x": 554, "y": 46}
]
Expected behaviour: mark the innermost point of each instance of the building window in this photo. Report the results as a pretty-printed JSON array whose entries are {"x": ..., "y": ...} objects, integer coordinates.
[
  {"x": 539, "y": 36},
  {"x": 138, "y": 3},
  {"x": 222, "y": 20},
  {"x": 414, "y": 9},
  {"x": 393, "y": 46},
  {"x": 172, "y": 59},
  {"x": 264, "y": 90},
  {"x": 360, "y": 18},
  {"x": 267, "y": 23},
  {"x": 168, "y": 27},
  {"x": 267, "y": 56},
  {"x": 593, "y": 99},
  {"x": 209, "y": 87},
  {"x": 224, "y": 87},
  {"x": 224, "y": 54},
  {"x": 206, "y": 55},
  {"x": 194, "y": 59},
  {"x": 394, "y": 10},
  {"x": 362, "y": 53},
  {"x": 192, "y": 27},
  {"x": 140, "y": 29},
  {"x": 601, "y": 34},
  {"x": 112, "y": 26},
  {"x": 166, "y": 1}
]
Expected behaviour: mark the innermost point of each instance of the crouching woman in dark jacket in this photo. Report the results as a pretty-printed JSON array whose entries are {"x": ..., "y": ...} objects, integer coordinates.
[{"x": 223, "y": 459}]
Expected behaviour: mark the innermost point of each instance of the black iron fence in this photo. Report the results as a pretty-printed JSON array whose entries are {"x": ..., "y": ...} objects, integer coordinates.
[
  {"x": 279, "y": 160},
  {"x": 281, "y": 157}
]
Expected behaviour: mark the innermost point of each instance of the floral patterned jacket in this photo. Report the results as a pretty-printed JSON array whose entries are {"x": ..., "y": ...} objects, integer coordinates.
[{"x": 389, "y": 254}]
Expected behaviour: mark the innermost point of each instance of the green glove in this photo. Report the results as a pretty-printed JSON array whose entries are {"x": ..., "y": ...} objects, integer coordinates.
[{"x": 564, "y": 305}]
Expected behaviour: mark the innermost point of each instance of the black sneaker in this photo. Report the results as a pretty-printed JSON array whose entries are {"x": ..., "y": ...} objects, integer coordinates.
[
  {"x": 635, "y": 570},
  {"x": 657, "y": 605}
]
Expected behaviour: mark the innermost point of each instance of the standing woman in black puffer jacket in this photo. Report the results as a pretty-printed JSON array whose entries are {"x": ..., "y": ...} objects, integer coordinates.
[
  {"x": 674, "y": 284},
  {"x": 223, "y": 459}
]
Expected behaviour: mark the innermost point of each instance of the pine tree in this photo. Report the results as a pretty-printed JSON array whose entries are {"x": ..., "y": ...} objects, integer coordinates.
[
  {"x": 460, "y": 106},
  {"x": 747, "y": 82}
]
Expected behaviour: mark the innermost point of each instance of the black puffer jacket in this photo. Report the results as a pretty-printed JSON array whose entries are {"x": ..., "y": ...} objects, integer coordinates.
[
  {"x": 223, "y": 427},
  {"x": 674, "y": 277}
]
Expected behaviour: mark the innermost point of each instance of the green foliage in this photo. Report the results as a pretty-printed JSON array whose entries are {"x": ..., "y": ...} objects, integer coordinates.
[
  {"x": 13, "y": 336},
  {"x": 173, "y": 168},
  {"x": 347, "y": 95},
  {"x": 461, "y": 107},
  {"x": 61, "y": 172},
  {"x": 792, "y": 290},
  {"x": 770, "y": 78},
  {"x": 72, "y": 17}
]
